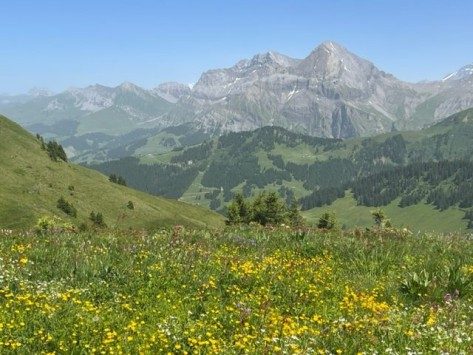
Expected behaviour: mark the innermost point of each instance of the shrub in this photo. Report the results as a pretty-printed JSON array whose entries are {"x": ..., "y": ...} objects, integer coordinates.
[
  {"x": 66, "y": 207},
  {"x": 117, "y": 179},
  {"x": 97, "y": 219},
  {"x": 380, "y": 219},
  {"x": 130, "y": 205},
  {"x": 56, "y": 151},
  {"x": 327, "y": 221}
]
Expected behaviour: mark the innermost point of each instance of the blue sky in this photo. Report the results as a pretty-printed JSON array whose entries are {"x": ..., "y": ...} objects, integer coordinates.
[{"x": 58, "y": 44}]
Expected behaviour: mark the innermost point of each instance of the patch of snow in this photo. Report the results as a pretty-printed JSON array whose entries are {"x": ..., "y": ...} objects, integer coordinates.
[
  {"x": 449, "y": 76},
  {"x": 291, "y": 94}
]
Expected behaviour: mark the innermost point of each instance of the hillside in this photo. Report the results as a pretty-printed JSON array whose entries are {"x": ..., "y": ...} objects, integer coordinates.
[
  {"x": 315, "y": 170},
  {"x": 31, "y": 183}
]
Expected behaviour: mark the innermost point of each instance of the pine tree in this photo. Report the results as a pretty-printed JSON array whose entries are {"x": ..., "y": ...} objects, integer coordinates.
[
  {"x": 328, "y": 220},
  {"x": 294, "y": 215},
  {"x": 238, "y": 211},
  {"x": 56, "y": 151},
  {"x": 268, "y": 208}
]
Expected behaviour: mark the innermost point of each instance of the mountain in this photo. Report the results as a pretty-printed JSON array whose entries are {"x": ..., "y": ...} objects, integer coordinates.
[
  {"x": 428, "y": 170},
  {"x": 31, "y": 184},
  {"x": 465, "y": 72},
  {"x": 92, "y": 109},
  {"x": 452, "y": 94},
  {"x": 330, "y": 93},
  {"x": 172, "y": 91}
]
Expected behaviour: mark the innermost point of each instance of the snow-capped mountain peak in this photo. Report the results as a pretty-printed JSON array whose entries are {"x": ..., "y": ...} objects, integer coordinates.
[{"x": 463, "y": 73}]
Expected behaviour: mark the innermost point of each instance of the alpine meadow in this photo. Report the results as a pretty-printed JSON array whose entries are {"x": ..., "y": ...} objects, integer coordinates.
[{"x": 172, "y": 184}]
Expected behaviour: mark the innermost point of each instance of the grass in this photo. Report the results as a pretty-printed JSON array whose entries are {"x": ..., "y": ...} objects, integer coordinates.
[
  {"x": 110, "y": 120},
  {"x": 420, "y": 217},
  {"x": 196, "y": 192},
  {"x": 237, "y": 290},
  {"x": 31, "y": 184},
  {"x": 301, "y": 154}
]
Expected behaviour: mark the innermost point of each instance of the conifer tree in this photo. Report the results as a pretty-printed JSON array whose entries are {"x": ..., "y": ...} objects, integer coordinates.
[
  {"x": 294, "y": 215},
  {"x": 328, "y": 220}
]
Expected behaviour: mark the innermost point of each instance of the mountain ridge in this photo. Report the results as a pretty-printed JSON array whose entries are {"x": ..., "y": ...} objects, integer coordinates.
[{"x": 331, "y": 92}]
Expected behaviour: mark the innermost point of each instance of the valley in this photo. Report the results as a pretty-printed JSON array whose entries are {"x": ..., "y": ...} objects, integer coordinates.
[{"x": 318, "y": 171}]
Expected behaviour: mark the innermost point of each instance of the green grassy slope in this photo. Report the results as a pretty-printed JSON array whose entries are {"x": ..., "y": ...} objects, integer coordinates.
[
  {"x": 31, "y": 184},
  {"x": 420, "y": 217}
]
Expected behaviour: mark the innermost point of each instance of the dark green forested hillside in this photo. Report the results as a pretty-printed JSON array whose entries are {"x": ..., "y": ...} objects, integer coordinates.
[{"x": 431, "y": 167}]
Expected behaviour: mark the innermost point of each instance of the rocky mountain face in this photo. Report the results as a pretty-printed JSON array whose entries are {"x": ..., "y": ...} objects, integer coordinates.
[
  {"x": 330, "y": 93},
  {"x": 172, "y": 91}
]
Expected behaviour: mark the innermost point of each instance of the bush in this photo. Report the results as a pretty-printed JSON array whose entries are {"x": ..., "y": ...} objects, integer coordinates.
[
  {"x": 56, "y": 151},
  {"x": 380, "y": 219},
  {"x": 117, "y": 179},
  {"x": 130, "y": 205},
  {"x": 327, "y": 221},
  {"x": 97, "y": 219},
  {"x": 66, "y": 207}
]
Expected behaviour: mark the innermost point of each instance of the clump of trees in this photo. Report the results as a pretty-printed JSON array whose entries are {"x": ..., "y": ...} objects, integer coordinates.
[
  {"x": 66, "y": 207},
  {"x": 328, "y": 220},
  {"x": 54, "y": 149},
  {"x": 267, "y": 208},
  {"x": 117, "y": 179},
  {"x": 97, "y": 219}
]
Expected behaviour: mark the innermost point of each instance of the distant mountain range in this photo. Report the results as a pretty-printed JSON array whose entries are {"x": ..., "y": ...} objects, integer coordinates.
[{"x": 330, "y": 93}]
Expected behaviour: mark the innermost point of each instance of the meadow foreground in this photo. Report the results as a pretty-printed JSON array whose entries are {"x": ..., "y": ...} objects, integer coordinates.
[{"x": 252, "y": 289}]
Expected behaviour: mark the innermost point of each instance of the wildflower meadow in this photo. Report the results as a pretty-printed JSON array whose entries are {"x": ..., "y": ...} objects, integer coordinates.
[{"x": 236, "y": 290}]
